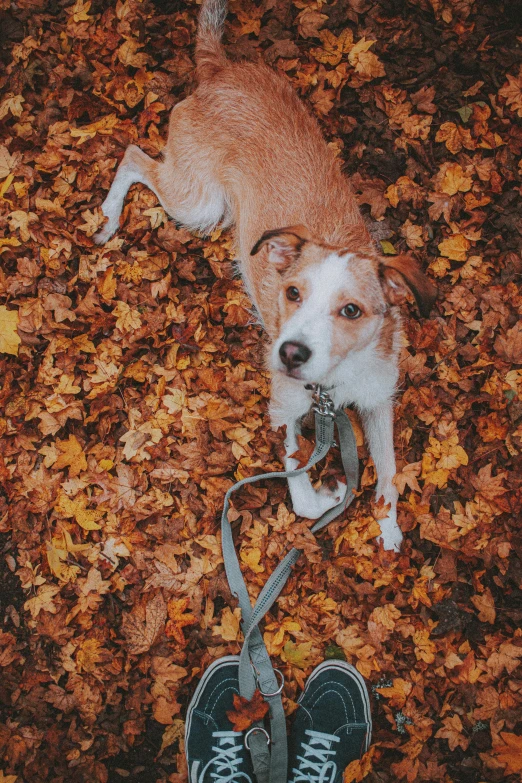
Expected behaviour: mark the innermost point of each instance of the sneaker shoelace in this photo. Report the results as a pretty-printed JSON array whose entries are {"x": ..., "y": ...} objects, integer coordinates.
[
  {"x": 316, "y": 764},
  {"x": 223, "y": 767}
]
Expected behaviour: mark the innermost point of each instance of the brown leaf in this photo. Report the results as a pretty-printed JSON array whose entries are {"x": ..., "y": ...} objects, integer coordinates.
[
  {"x": 141, "y": 631},
  {"x": 509, "y": 347}
]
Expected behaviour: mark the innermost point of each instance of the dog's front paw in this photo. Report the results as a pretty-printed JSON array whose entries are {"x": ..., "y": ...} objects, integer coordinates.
[
  {"x": 318, "y": 503},
  {"x": 391, "y": 534}
]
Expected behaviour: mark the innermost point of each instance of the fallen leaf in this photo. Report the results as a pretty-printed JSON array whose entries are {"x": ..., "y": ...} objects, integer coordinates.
[{"x": 246, "y": 712}]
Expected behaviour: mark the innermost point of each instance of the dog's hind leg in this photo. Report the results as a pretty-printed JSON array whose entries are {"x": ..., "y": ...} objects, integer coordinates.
[{"x": 136, "y": 166}]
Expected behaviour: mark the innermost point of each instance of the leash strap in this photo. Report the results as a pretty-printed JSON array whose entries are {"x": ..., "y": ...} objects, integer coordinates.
[{"x": 269, "y": 752}]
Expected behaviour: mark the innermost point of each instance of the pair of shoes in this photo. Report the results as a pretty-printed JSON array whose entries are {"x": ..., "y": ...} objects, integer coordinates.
[{"x": 332, "y": 726}]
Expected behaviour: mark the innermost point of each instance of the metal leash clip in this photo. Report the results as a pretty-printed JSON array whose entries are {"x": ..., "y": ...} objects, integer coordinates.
[{"x": 322, "y": 402}]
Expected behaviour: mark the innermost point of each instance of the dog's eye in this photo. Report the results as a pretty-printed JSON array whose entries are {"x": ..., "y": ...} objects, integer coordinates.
[
  {"x": 292, "y": 293},
  {"x": 351, "y": 311}
]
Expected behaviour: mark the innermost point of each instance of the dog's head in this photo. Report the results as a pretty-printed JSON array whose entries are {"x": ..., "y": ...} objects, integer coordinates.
[{"x": 332, "y": 301}]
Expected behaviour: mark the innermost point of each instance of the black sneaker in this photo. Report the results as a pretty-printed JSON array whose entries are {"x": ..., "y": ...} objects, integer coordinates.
[
  {"x": 216, "y": 753},
  {"x": 333, "y": 725}
]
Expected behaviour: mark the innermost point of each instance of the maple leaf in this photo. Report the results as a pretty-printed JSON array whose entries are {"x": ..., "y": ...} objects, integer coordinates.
[
  {"x": 9, "y": 339},
  {"x": 229, "y": 628},
  {"x": 89, "y": 655},
  {"x": 275, "y": 641},
  {"x": 57, "y": 560},
  {"x": 424, "y": 647},
  {"x": 455, "y": 137},
  {"x": 174, "y": 732},
  {"x": 509, "y": 753},
  {"x": 451, "y": 730},
  {"x": 304, "y": 451},
  {"x": 485, "y": 604},
  {"x": 490, "y": 487},
  {"x": 507, "y": 657},
  {"x": 512, "y": 92},
  {"x": 453, "y": 179},
  {"x": 127, "y": 319},
  {"x": 7, "y": 778},
  {"x": 408, "y": 477},
  {"x": 455, "y": 247},
  {"x": 299, "y": 655},
  {"x": 79, "y": 11},
  {"x": 93, "y": 221},
  {"x": 128, "y": 54},
  {"x": 412, "y": 234},
  {"x": 333, "y": 48},
  {"x": 423, "y": 99},
  {"x": 366, "y": 63},
  {"x": 246, "y": 712},
  {"x": 178, "y": 619},
  {"x": 12, "y": 104},
  {"x": 309, "y": 21},
  {"x": 141, "y": 632},
  {"x": 251, "y": 557},
  {"x": 397, "y": 693},
  {"x": 43, "y": 601},
  {"x": 358, "y": 769},
  {"x": 509, "y": 347},
  {"x": 8, "y": 162},
  {"x": 77, "y": 508},
  {"x": 72, "y": 456},
  {"x": 105, "y": 126}
]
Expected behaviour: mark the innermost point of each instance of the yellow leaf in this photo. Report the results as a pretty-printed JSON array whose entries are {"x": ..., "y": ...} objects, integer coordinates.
[
  {"x": 229, "y": 628},
  {"x": 455, "y": 247},
  {"x": 333, "y": 48},
  {"x": 107, "y": 285},
  {"x": 86, "y": 518},
  {"x": 454, "y": 180},
  {"x": 172, "y": 733},
  {"x": 251, "y": 558},
  {"x": 42, "y": 601},
  {"x": 424, "y": 647},
  {"x": 357, "y": 770},
  {"x": 387, "y": 247},
  {"x": 298, "y": 655},
  {"x": 72, "y": 456},
  {"x": 509, "y": 753},
  {"x": 105, "y": 126},
  {"x": 57, "y": 559},
  {"x": 396, "y": 693},
  {"x": 9, "y": 340},
  {"x": 127, "y": 319},
  {"x": 7, "y": 778},
  {"x": 128, "y": 54},
  {"x": 90, "y": 653},
  {"x": 79, "y": 11}
]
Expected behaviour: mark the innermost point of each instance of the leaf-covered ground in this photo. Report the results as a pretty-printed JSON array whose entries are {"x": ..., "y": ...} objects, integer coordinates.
[{"x": 133, "y": 393}]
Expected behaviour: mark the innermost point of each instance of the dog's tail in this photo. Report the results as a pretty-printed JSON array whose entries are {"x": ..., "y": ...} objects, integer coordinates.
[{"x": 210, "y": 54}]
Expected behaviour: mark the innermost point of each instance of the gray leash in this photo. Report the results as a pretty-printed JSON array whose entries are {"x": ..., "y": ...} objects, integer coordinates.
[{"x": 255, "y": 668}]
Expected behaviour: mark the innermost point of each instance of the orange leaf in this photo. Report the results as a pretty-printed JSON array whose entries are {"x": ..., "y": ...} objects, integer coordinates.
[
  {"x": 510, "y": 753},
  {"x": 246, "y": 712}
]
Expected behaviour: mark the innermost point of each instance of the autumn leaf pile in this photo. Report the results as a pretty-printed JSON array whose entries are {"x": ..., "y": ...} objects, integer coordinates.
[{"x": 133, "y": 393}]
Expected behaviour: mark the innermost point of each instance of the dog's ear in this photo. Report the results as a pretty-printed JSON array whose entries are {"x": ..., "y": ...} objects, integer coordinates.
[
  {"x": 284, "y": 245},
  {"x": 400, "y": 274}
]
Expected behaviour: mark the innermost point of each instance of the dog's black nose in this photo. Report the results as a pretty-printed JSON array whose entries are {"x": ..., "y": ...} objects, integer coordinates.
[{"x": 294, "y": 354}]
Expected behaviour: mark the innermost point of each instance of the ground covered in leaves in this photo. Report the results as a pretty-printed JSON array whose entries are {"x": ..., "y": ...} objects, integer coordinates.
[{"x": 133, "y": 394}]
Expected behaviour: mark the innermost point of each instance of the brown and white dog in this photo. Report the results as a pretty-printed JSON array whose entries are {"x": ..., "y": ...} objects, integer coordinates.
[{"x": 243, "y": 150}]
